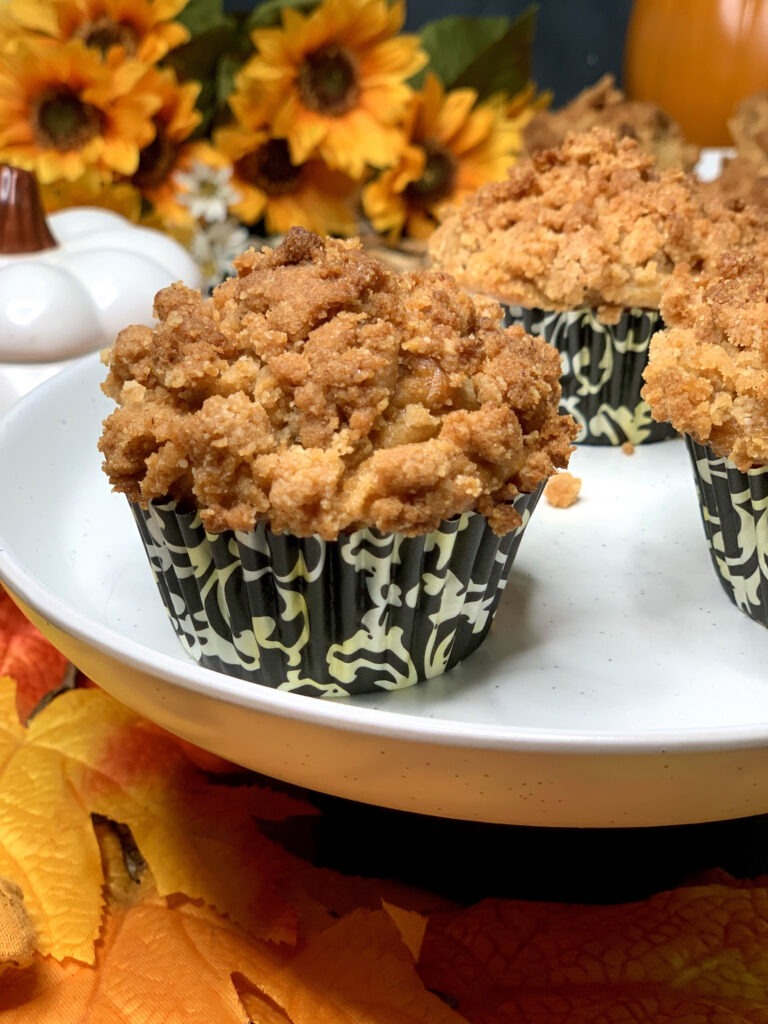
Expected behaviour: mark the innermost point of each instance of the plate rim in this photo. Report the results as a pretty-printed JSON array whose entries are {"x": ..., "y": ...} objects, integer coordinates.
[{"x": 335, "y": 713}]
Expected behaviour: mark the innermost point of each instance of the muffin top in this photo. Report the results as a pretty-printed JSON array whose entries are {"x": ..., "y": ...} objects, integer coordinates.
[
  {"x": 605, "y": 105},
  {"x": 708, "y": 369},
  {"x": 592, "y": 223},
  {"x": 321, "y": 391}
]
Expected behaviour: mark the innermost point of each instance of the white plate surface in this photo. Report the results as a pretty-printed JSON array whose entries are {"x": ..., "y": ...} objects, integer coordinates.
[{"x": 619, "y": 685}]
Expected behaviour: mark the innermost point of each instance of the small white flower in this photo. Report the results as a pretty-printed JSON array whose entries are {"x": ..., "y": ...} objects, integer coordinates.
[
  {"x": 206, "y": 191},
  {"x": 215, "y": 246}
]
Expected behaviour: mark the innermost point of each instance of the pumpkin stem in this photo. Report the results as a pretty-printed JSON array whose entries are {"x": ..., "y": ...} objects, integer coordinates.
[{"x": 23, "y": 227}]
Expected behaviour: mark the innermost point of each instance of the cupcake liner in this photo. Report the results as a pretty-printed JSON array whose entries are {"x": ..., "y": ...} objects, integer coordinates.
[
  {"x": 733, "y": 508},
  {"x": 368, "y": 612},
  {"x": 602, "y": 370}
]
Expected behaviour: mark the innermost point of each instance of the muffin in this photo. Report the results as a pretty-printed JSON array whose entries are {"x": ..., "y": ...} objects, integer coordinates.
[
  {"x": 604, "y": 105},
  {"x": 578, "y": 244},
  {"x": 708, "y": 375},
  {"x": 331, "y": 464},
  {"x": 744, "y": 174}
]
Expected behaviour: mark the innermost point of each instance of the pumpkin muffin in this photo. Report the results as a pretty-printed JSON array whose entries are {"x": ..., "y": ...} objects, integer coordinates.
[
  {"x": 578, "y": 243},
  {"x": 744, "y": 175},
  {"x": 331, "y": 464},
  {"x": 708, "y": 374},
  {"x": 604, "y": 105}
]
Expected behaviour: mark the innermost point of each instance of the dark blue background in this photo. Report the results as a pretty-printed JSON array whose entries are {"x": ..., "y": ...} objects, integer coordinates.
[{"x": 576, "y": 40}]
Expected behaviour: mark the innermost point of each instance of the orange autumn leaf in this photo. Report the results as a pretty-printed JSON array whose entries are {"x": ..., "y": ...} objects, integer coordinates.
[
  {"x": 358, "y": 971},
  {"x": 154, "y": 963},
  {"x": 27, "y": 657},
  {"x": 84, "y": 754},
  {"x": 199, "y": 835},
  {"x": 697, "y": 953}
]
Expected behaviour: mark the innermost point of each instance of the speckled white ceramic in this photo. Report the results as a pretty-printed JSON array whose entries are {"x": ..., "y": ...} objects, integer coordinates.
[{"x": 619, "y": 685}]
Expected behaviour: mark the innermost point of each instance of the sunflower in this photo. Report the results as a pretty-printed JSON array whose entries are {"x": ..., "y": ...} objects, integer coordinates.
[
  {"x": 455, "y": 144},
  {"x": 141, "y": 28},
  {"x": 63, "y": 109},
  {"x": 171, "y": 150},
  {"x": 310, "y": 195},
  {"x": 337, "y": 80}
]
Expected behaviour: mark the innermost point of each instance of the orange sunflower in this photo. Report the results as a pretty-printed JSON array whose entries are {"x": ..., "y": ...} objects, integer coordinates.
[
  {"x": 284, "y": 194},
  {"x": 142, "y": 28},
  {"x": 455, "y": 144},
  {"x": 171, "y": 149},
  {"x": 337, "y": 79},
  {"x": 63, "y": 109}
]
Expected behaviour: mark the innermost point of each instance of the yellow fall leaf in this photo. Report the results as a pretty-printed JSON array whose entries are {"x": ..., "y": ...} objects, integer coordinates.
[{"x": 47, "y": 844}]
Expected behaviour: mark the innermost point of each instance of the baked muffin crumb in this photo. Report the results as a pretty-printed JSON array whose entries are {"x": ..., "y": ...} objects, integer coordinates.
[
  {"x": 708, "y": 369},
  {"x": 592, "y": 223},
  {"x": 322, "y": 392},
  {"x": 562, "y": 490}
]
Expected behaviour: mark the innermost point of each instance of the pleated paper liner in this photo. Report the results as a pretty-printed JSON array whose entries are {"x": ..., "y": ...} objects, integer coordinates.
[
  {"x": 602, "y": 371},
  {"x": 734, "y": 511},
  {"x": 368, "y": 612}
]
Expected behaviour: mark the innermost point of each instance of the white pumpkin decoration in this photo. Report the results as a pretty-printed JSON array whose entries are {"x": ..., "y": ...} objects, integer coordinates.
[{"x": 68, "y": 285}]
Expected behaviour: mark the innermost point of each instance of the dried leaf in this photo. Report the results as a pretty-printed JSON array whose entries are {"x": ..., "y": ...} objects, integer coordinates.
[
  {"x": 696, "y": 953},
  {"x": 17, "y": 936},
  {"x": 25, "y": 655}
]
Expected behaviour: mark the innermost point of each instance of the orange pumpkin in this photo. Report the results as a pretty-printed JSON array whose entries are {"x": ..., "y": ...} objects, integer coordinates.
[{"x": 696, "y": 59}]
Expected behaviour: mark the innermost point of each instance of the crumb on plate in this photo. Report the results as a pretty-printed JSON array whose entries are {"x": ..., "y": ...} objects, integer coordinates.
[{"x": 562, "y": 490}]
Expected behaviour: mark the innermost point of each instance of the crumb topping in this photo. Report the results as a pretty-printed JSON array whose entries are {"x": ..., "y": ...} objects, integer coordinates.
[
  {"x": 592, "y": 223},
  {"x": 605, "y": 105},
  {"x": 321, "y": 391},
  {"x": 562, "y": 490},
  {"x": 708, "y": 369}
]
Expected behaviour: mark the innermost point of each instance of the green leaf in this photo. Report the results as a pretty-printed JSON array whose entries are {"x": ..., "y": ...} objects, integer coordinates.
[
  {"x": 202, "y": 58},
  {"x": 486, "y": 54},
  {"x": 202, "y": 15},
  {"x": 505, "y": 66},
  {"x": 267, "y": 12}
]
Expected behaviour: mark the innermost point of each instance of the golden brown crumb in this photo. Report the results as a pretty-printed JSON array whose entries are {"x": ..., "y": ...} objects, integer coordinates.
[
  {"x": 744, "y": 176},
  {"x": 741, "y": 182},
  {"x": 748, "y": 128},
  {"x": 321, "y": 391},
  {"x": 604, "y": 105},
  {"x": 562, "y": 490},
  {"x": 590, "y": 224},
  {"x": 708, "y": 370},
  {"x": 628, "y": 448}
]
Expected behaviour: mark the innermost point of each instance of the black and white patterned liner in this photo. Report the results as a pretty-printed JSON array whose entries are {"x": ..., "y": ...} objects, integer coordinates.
[
  {"x": 602, "y": 370},
  {"x": 368, "y": 612},
  {"x": 734, "y": 510}
]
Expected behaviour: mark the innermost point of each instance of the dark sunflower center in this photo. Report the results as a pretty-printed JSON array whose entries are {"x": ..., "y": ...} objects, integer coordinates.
[
  {"x": 438, "y": 177},
  {"x": 156, "y": 161},
  {"x": 63, "y": 121},
  {"x": 269, "y": 168},
  {"x": 328, "y": 81},
  {"x": 101, "y": 33}
]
